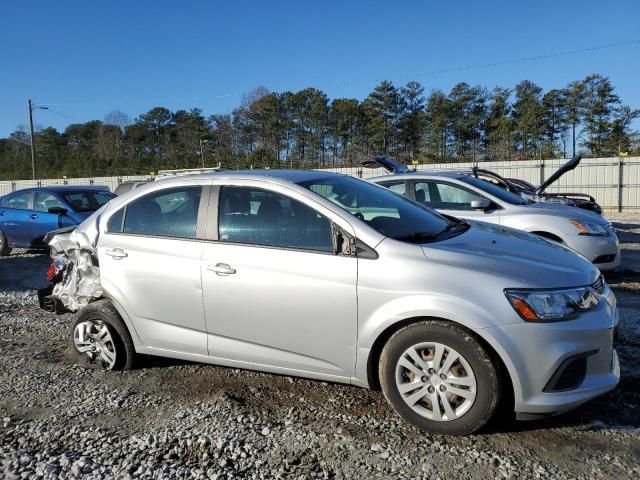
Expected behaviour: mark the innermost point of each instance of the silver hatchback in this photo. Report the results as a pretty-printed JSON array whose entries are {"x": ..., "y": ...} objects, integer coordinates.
[{"x": 328, "y": 277}]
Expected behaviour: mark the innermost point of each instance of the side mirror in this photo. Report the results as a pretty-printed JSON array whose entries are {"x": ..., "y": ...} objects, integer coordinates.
[
  {"x": 480, "y": 204},
  {"x": 58, "y": 210}
]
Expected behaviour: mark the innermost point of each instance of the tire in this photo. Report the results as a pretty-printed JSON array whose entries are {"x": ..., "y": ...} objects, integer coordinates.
[
  {"x": 408, "y": 363},
  {"x": 100, "y": 339},
  {"x": 4, "y": 246}
]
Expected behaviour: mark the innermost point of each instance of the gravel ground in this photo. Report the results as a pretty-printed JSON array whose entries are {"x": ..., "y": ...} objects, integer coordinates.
[{"x": 170, "y": 419}]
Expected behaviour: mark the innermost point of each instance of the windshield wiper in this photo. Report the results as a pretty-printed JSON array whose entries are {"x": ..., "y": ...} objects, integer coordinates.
[
  {"x": 464, "y": 226},
  {"x": 417, "y": 237}
]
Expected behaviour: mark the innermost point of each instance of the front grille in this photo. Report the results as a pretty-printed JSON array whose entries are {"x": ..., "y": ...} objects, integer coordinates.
[{"x": 598, "y": 285}]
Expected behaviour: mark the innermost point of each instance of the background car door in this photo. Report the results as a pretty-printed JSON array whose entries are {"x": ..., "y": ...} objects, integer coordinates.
[
  {"x": 15, "y": 218},
  {"x": 42, "y": 222},
  {"x": 452, "y": 199},
  {"x": 274, "y": 292},
  {"x": 150, "y": 263}
]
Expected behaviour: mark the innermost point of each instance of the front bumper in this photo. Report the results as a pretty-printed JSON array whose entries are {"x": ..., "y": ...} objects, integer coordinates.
[
  {"x": 538, "y": 352},
  {"x": 603, "y": 252}
]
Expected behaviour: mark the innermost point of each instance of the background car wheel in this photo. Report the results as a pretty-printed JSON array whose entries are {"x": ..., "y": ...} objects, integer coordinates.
[
  {"x": 100, "y": 339},
  {"x": 4, "y": 246},
  {"x": 439, "y": 378}
]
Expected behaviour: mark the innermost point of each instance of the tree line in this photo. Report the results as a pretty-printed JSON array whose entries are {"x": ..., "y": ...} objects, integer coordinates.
[{"x": 306, "y": 129}]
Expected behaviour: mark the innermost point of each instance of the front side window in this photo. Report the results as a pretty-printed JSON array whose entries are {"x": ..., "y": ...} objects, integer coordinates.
[
  {"x": 390, "y": 214},
  {"x": 45, "y": 200},
  {"x": 18, "y": 200},
  {"x": 452, "y": 197},
  {"x": 261, "y": 217},
  {"x": 89, "y": 201},
  {"x": 166, "y": 213}
]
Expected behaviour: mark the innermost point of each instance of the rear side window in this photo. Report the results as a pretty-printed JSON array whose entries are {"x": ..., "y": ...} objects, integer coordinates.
[
  {"x": 397, "y": 187},
  {"x": 45, "y": 200},
  {"x": 166, "y": 213},
  {"x": 261, "y": 217},
  {"x": 18, "y": 200}
]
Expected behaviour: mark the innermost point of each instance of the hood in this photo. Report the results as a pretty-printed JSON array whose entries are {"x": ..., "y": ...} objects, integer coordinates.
[
  {"x": 567, "y": 167},
  {"x": 508, "y": 252},
  {"x": 568, "y": 211},
  {"x": 388, "y": 164}
]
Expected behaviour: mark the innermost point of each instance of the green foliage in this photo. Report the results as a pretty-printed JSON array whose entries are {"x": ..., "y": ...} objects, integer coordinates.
[{"x": 305, "y": 129}]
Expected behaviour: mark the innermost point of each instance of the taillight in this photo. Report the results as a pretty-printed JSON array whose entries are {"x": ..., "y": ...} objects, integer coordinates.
[{"x": 52, "y": 272}]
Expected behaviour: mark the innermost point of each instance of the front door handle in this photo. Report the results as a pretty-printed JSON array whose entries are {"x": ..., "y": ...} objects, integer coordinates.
[
  {"x": 1, "y": 213},
  {"x": 33, "y": 216},
  {"x": 221, "y": 269},
  {"x": 117, "y": 253}
]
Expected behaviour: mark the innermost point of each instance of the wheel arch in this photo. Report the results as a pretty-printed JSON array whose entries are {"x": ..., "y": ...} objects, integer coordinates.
[{"x": 375, "y": 352}]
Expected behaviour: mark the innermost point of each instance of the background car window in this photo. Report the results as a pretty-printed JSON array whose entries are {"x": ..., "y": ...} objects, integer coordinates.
[
  {"x": 44, "y": 201},
  {"x": 451, "y": 197},
  {"x": 422, "y": 192},
  {"x": 397, "y": 187},
  {"x": 260, "y": 217},
  {"x": 87, "y": 201},
  {"x": 18, "y": 200},
  {"x": 167, "y": 213}
]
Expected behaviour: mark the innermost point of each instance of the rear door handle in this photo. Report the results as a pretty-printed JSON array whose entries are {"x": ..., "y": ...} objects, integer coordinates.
[
  {"x": 117, "y": 253},
  {"x": 221, "y": 269},
  {"x": 33, "y": 216},
  {"x": 1, "y": 213}
]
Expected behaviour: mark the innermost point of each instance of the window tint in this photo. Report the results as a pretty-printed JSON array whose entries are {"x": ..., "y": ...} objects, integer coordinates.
[
  {"x": 422, "y": 192},
  {"x": 114, "y": 224},
  {"x": 260, "y": 217},
  {"x": 44, "y": 201},
  {"x": 167, "y": 213},
  {"x": 451, "y": 197},
  {"x": 494, "y": 190},
  {"x": 18, "y": 200},
  {"x": 89, "y": 201}
]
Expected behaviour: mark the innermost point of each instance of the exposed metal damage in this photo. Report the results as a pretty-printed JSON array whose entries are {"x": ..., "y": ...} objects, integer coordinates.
[{"x": 74, "y": 271}]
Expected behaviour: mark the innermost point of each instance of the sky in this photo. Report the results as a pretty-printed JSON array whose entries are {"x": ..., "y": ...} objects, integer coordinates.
[{"x": 84, "y": 59}]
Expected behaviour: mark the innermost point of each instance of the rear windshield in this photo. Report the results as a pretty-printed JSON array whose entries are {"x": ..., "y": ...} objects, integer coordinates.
[
  {"x": 494, "y": 190},
  {"x": 389, "y": 213},
  {"x": 88, "y": 201}
]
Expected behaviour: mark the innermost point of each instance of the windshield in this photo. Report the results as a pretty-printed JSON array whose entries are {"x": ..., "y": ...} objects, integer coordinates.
[
  {"x": 390, "y": 214},
  {"x": 494, "y": 190},
  {"x": 88, "y": 201}
]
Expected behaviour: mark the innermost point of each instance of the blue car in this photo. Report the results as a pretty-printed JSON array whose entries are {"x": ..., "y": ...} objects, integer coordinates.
[{"x": 26, "y": 216}]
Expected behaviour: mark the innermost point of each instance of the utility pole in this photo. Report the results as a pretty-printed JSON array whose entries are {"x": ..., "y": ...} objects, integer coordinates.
[
  {"x": 202, "y": 142},
  {"x": 33, "y": 141}
]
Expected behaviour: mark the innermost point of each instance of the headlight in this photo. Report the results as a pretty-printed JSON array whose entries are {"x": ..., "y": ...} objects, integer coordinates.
[
  {"x": 552, "y": 305},
  {"x": 590, "y": 228}
]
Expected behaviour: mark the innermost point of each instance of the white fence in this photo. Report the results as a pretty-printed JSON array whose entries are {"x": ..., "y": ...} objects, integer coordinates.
[{"x": 613, "y": 182}]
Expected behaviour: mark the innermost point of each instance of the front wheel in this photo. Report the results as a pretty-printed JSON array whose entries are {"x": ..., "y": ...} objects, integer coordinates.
[
  {"x": 439, "y": 378},
  {"x": 100, "y": 339}
]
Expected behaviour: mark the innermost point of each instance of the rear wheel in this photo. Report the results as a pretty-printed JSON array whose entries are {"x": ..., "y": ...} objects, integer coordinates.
[
  {"x": 439, "y": 378},
  {"x": 100, "y": 339},
  {"x": 4, "y": 245}
]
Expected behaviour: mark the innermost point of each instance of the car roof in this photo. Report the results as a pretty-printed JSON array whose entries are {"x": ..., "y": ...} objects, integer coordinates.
[
  {"x": 65, "y": 188},
  {"x": 422, "y": 174},
  {"x": 293, "y": 176}
]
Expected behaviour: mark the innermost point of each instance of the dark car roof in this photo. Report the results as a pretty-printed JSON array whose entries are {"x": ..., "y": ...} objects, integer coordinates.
[{"x": 65, "y": 188}]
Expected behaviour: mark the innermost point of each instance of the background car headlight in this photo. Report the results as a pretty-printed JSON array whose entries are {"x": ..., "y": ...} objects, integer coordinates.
[
  {"x": 552, "y": 305},
  {"x": 590, "y": 228}
]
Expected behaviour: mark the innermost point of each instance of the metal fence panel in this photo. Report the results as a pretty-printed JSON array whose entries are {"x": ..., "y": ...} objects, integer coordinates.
[{"x": 614, "y": 182}]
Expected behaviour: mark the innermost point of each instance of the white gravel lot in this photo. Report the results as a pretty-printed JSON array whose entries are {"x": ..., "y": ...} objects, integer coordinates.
[{"x": 170, "y": 419}]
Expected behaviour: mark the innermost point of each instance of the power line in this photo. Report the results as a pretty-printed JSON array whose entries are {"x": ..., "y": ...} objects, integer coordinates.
[{"x": 346, "y": 83}]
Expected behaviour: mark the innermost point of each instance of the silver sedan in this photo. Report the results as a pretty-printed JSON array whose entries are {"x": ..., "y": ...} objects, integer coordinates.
[
  {"x": 328, "y": 277},
  {"x": 465, "y": 196}
]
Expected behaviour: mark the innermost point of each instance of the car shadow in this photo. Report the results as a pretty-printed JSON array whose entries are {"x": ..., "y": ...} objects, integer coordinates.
[{"x": 22, "y": 272}]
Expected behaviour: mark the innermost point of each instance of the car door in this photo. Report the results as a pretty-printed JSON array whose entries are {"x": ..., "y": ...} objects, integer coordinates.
[
  {"x": 275, "y": 293},
  {"x": 15, "y": 218},
  {"x": 150, "y": 264},
  {"x": 42, "y": 222},
  {"x": 453, "y": 199}
]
